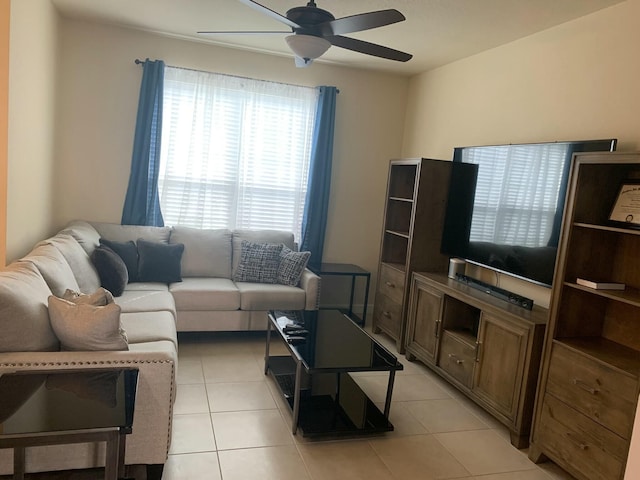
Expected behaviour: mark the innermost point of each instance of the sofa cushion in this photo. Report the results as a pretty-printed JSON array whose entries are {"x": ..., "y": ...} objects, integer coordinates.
[
  {"x": 207, "y": 253},
  {"x": 123, "y": 233},
  {"x": 258, "y": 236},
  {"x": 292, "y": 264},
  {"x": 82, "y": 326},
  {"x": 111, "y": 269},
  {"x": 53, "y": 267},
  {"x": 24, "y": 318},
  {"x": 146, "y": 301},
  {"x": 80, "y": 263},
  {"x": 158, "y": 262},
  {"x": 128, "y": 251},
  {"x": 264, "y": 296},
  {"x": 258, "y": 262},
  {"x": 147, "y": 286},
  {"x": 149, "y": 327},
  {"x": 84, "y": 233},
  {"x": 205, "y": 294}
]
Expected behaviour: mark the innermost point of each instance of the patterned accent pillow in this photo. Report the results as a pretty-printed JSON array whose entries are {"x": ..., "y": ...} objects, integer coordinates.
[
  {"x": 259, "y": 262},
  {"x": 292, "y": 264}
]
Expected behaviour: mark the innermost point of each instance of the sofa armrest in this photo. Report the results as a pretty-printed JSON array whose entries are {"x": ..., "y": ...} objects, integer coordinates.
[
  {"x": 310, "y": 283},
  {"x": 151, "y": 433}
]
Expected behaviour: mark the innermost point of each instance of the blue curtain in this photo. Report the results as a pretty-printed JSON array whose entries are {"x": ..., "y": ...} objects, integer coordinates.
[
  {"x": 314, "y": 220},
  {"x": 142, "y": 204}
]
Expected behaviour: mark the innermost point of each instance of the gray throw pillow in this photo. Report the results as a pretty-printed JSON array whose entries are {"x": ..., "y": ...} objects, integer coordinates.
[
  {"x": 128, "y": 251},
  {"x": 259, "y": 263},
  {"x": 87, "y": 327},
  {"x": 159, "y": 262},
  {"x": 292, "y": 264},
  {"x": 111, "y": 269}
]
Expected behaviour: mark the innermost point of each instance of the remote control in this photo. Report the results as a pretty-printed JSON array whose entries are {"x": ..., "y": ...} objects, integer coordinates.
[
  {"x": 298, "y": 332},
  {"x": 294, "y": 329},
  {"x": 296, "y": 340}
]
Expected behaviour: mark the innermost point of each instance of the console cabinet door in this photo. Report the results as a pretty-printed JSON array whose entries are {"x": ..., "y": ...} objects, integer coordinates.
[
  {"x": 500, "y": 357},
  {"x": 424, "y": 322}
]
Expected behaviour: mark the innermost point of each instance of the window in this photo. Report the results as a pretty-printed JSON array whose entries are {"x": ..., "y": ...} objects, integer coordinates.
[
  {"x": 235, "y": 151},
  {"x": 517, "y": 193}
]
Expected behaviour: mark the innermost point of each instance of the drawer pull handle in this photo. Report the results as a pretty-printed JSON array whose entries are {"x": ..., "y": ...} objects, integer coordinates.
[
  {"x": 584, "y": 386},
  {"x": 390, "y": 285},
  {"x": 458, "y": 361},
  {"x": 386, "y": 314},
  {"x": 581, "y": 446}
]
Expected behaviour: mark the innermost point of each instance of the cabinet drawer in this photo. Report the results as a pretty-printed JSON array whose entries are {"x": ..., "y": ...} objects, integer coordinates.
[
  {"x": 457, "y": 357},
  {"x": 599, "y": 392},
  {"x": 391, "y": 283},
  {"x": 578, "y": 443},
  {"x": 388, "y": 314}
]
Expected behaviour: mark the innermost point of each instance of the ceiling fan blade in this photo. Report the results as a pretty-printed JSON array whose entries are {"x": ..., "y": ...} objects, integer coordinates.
[
  {"x": 369, "y": 48},
  {"x": 362, "y": 21},
  {"x": 271, "y": 13},
  {"x": 240, "y": 32}
]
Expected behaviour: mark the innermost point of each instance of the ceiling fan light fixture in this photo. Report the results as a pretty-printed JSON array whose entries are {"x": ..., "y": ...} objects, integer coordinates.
[{"x": 308, "y": 47}]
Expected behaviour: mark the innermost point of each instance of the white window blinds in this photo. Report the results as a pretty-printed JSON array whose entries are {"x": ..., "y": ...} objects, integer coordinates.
[
  {"x": 516, "y": 194},
  {"x": 235, "y": 151}
]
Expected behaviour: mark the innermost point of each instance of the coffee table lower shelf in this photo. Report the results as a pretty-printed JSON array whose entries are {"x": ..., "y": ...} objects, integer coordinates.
[{"x": 331, "y": 404}]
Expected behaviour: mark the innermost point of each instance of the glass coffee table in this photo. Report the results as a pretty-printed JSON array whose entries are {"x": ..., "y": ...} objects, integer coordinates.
[
  {"x": 324, "y": 347},
  {"x": 68, "y": 406}
]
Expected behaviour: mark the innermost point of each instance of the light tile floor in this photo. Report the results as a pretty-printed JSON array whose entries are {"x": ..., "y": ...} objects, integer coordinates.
[{"x": 231, "y": 424}]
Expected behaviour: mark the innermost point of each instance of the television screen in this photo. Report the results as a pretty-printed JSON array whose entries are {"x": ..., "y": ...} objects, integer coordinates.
[{"x": 507, "y": 215}]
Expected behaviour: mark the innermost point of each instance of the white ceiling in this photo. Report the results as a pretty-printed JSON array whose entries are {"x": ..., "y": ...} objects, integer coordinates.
[{"x": 436, "y": 32}]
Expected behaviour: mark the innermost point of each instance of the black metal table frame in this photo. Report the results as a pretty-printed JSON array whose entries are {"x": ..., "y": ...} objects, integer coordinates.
[
  {"x": 354, "y": 272},
  {"x": 298, "y": 374},
  {"x": 115, "y": 438}
]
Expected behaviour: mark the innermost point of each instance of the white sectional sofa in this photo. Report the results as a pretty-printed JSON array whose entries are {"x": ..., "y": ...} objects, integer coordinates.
[{"x": 152, "y": 312}]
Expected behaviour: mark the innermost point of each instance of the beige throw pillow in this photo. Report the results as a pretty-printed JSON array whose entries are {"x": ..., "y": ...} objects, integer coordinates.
[
  {"x": 99, "y": 298},
  {"x": 83, "y": 326}
]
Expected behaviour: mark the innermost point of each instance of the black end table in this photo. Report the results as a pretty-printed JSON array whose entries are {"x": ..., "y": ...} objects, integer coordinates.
[
  {"x": 68, "y": 406},
  {"x": 348, "y": 270}
]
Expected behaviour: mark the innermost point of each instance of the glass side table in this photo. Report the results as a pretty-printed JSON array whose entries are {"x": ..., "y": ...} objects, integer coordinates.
[
  {"x": 315, "y": 379},
  {"x": 68, "y": 406},
  {"x": 353, "y": 271}
]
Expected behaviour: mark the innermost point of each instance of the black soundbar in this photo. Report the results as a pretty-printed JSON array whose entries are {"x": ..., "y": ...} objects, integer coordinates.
[{"x": 497, "y": 292}]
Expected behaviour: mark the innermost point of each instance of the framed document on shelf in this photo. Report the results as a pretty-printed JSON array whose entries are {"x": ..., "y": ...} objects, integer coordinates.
[{"x": 626, "y": 208}]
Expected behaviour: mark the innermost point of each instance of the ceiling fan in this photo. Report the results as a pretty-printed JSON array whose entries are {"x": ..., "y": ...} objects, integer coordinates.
[{"x": 315, "y": 30}]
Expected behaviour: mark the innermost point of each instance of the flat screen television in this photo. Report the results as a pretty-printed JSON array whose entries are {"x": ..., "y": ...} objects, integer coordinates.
[{"x": 506, "y": 214}]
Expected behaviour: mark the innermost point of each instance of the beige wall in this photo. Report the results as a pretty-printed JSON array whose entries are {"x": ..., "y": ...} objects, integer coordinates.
[
  {"x": 5, "y": 12},
  {"x": 99, "y": 91},
  {"x": 579, "y": 80},
  {"x": 32, "y": 124}
]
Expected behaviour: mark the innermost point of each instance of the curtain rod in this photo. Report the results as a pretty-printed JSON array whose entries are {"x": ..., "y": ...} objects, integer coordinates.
[{"x": 137, "y": 61}]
